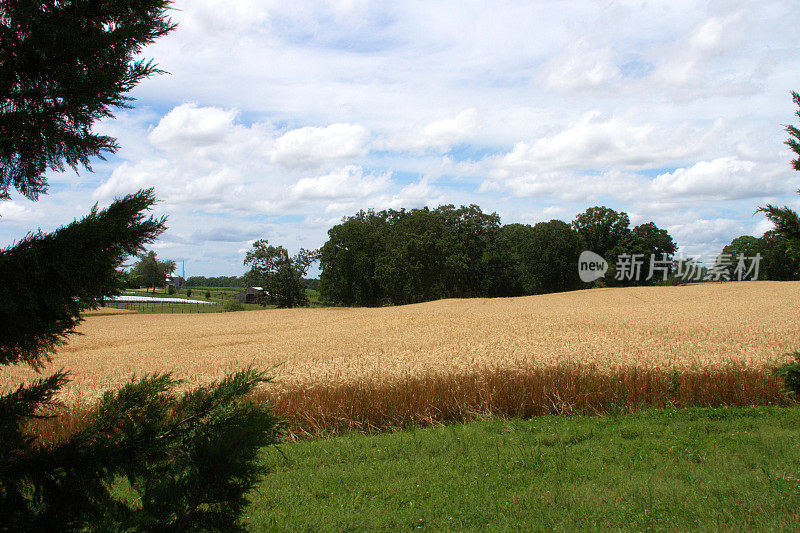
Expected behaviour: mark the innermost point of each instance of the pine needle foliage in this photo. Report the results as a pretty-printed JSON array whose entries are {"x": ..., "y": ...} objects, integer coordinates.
[
  {"x": 48, "y": 279},
  {"x": 63, "y": 66},
  {"x": 189, "y": 455},
  {"x": 786, "y": 220}
]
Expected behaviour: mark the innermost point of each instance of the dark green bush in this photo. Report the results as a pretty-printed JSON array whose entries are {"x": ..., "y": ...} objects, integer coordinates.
[
  {"x": 790, "y": 373},
  {"x": 208, "y": 295},
  {"x": 171, "y": 289},
  {"x": 188, "y": 292},
  {"x": 233, "y": 305}
]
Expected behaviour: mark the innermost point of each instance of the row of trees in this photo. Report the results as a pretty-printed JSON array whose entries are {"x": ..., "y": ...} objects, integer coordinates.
[
  {"x": 214, "y": 281},
  {"x": 406, "y": 256},
  {"x": 779, "y": 262}
]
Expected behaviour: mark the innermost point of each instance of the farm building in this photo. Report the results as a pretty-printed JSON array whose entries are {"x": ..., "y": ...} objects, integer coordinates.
[
  {"x": 249, "y": 295},
  {"x": 173, "y": 281}
]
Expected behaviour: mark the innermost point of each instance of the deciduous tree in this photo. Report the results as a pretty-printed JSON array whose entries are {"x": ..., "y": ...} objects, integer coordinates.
[{"x": 280, "y": 275}]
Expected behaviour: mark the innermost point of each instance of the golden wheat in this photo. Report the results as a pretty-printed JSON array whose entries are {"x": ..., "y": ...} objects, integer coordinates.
[{"x": 749, "y": 324}]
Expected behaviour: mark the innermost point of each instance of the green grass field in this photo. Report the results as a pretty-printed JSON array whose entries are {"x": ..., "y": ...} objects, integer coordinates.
[{"x": 706, "y": 469}]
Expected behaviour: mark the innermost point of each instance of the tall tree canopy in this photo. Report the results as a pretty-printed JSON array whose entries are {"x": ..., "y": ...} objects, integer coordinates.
[
  {"x": 777, "y": 263},
  {"x": 150, "y": 272},
  {"x": 602, "y": 229},
  {"x": 548, "y": 255},
  {"x": 280, "y": 275},
  {"x": 406, "y": 256}
]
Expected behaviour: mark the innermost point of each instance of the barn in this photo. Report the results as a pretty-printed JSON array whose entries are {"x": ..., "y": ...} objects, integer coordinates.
[{"x": 249, "y": 295}]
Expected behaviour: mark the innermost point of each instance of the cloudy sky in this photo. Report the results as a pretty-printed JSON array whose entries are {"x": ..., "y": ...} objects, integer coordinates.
[{"x": 279, "y": 118}]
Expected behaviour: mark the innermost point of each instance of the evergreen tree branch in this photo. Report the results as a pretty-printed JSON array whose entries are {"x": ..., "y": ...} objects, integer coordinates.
[{"x": 49, "y": 279}]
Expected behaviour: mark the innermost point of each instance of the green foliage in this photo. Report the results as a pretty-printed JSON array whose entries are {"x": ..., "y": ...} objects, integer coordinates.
[
  {"x": 189, "y": 458},
  {"x": 171, "y": 290},
  {"x": 793, "y": 141},
  {"x": 188, "y": 293},
  {"x": 219, "y": 281},
  {"x": 63, "y": 66},
  {"x": 787, "y": 221},
  {"x": 407, "y": 256},
  {"x": 281, "y": 276},
  {"x": 233, "y": 305},
  {"x": 50, "y": 278},
  {"x": 207, "y": 295},
  {"x": 349, "y": 260},
  {"x": 150, "y": 272},
  {"x": 548, "y": 255},
  {"x": 778, "y": 261},
  {"x": 602, "y": 229},
  {"x": 311, "y": 283},
  {"x": 790, "y": 373},
  {"x": 607, "y": 233}
]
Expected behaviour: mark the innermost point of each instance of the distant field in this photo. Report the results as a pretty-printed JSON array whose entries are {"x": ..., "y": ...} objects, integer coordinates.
[
  {"x": 449, "y": 346},
  {"x": 215, "y": 294}
]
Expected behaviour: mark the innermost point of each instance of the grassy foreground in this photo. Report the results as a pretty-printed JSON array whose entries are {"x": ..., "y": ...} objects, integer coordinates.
[{"x": 663, "y": 469}]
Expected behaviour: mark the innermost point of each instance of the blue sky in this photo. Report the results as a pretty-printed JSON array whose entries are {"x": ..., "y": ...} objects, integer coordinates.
[{"x": 279, "y": 118}]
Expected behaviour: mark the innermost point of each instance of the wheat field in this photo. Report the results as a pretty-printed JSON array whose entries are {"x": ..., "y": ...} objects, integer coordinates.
[{"x": 748, "y": 324}]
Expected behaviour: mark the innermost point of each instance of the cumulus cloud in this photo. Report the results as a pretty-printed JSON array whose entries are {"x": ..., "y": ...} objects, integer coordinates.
[
  {"x": 438, "y": 135},
  {"x": 14, "y": 211},
  {"x": 188, "y": 125},
  {"x": 310, "y": 147},
  {"x": 347, "y": 182},
  {"x": 724, "y": 178},
  {"x": 599, "y": 140}
]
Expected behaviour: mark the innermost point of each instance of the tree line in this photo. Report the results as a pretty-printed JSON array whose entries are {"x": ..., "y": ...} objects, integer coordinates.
[
  {"x": 214, "y": 281},
  {"x": 405, "y": 256},
  {"x": 396, "y": 257}
]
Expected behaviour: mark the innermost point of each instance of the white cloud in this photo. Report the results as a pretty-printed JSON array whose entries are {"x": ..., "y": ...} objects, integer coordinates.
[
  {"x": 348, "y": 182},
  {"x": 581, "y": 67},
  {"x": 15, "y": 211},
  {"x": 438, "y": 135},
  {"x": 725, "y": 178},
  {"x": 188, "y": 125},
  {"x": 598, "y": 140},
  {"x": 310, "y": 147}
]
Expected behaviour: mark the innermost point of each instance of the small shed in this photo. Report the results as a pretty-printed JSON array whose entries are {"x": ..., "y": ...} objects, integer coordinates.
[
  {"x": 173, "y": 281},
  {"x": 249, "y": 295}
]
